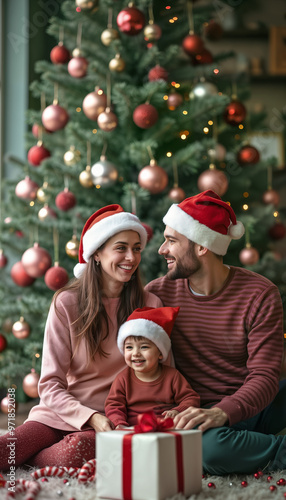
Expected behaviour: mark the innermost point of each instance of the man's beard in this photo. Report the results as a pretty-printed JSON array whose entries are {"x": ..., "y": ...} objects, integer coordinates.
[{"x": 181, "y": 270}]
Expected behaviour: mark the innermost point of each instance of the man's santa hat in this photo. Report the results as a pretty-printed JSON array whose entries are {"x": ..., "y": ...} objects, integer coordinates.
[
  {"x": 154, "y": 323},
  {"x": 101, "y": 226},
  {"x": 206, "y": 220}
]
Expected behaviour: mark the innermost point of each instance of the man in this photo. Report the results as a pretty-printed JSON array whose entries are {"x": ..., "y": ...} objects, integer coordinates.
[{"x": 227, "y": 339}]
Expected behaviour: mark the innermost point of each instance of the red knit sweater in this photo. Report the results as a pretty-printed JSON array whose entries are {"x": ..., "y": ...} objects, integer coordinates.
[{"x": 228, "y": 345}]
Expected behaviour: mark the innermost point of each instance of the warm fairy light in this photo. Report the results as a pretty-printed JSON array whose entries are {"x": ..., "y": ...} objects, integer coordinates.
[
  {"x": 245, "y": 207},
  {"x": 168, "y": 7},
  {"x": 216, "y": 71},
  {"x": 32, "y": 203},
  {"x": 78, "y": 9},
  {"x": 183, "y": 137},
  {"x": 94, "y": 131},
  {"x": 98, "y": 186},
  {"x": 78, "y": 110},
  {"x": 185, "y": 112},
  {"x": 175, "y": 18},
  {"x": 275, "y": 214},
  {"x": 210, "y": 122},
  {"x": 173, "y": 83},
  {"x": 171, "y": 21},
  {"x": 284, "y": 335},
  {"x": 100, "y": 92},
  {"x": 37, "y": 355},
  {"x": 237, "y": 137},
  {"x": 241, "y": 126},
  {"x": 206, "y": 130},
  {"x": 165, "y": 97},
  {"x": 245, "y": 194},
  {"x": 169, "y": 154},
  {"x": 177, "y": 85}
]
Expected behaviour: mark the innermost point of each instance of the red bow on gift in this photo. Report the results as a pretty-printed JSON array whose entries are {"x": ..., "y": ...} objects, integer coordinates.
[{"x": 149, "y": 422}]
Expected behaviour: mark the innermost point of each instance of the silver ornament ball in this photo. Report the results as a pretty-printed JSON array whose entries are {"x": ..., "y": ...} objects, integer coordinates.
[{"x": 104, "y": 173}]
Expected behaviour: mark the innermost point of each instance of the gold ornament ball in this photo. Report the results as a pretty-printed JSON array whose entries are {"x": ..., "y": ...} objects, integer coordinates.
[
  {"x": 71, "y": 156},
  {"x": 117, "y": 64},
  {"x": 88, "y": 4},
  {"x": 177, "y": 194},
  {"x": 249, "y": 256},
  {"x": 107, "y": 120},
  {"x": 271, "y": 197},
  {"x": 213, "y": 179},
  {"x": 85, "y": 178},
  {"x": 152, "y": 32},
  {"x": 30, "y": 384},
  {"x": 42, "y": 194},
  {"x": 46, "y": 213},
  {"x": 108, "y": 36},
  {"x": 21, "y": 329},
  {"x": 153, "y": 178},
  {"x": 72, "y": 247}
]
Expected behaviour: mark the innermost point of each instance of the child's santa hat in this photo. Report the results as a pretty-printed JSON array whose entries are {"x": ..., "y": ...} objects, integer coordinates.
[
  {"x": 206, "y": 220},
  {"x": 101, "y": 226},
  {"x": 154, "y": 323}
]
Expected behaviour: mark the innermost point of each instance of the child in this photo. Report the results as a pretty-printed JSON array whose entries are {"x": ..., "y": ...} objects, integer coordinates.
[{"x": 146, "y": 384}]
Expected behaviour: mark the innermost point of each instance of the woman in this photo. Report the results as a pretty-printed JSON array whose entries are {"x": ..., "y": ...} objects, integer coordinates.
[{"x": 80, "y": 355}]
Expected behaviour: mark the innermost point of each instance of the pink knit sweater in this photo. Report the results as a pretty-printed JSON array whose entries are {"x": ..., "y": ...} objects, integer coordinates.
[{"x": 228, "y": 345}]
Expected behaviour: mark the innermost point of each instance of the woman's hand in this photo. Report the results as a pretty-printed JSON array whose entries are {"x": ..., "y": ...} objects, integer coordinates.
[
  {"x": 100, "y": 423},
  {"x": 170, "y": 413},
  {"x": 202, "y": 417}
]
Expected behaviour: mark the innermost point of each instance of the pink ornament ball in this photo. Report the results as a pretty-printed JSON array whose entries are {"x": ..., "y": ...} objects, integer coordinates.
[
  {"x": 145, "y": 116},
  {"x": 60, "y": 54},
  {"x": 36, "y": 261},
  {"x": 37, "y": 154},
  {"x": 65, "y": 200},
  {"x": 20, "y": 276},
  {"x": 215, "y": 180},
  {"x": 54, "y": 117},
  {"x": 77, "y": 67},
  {"x": 94, "y": 103},
  {"x": 131, "y": 21},
  {"x": 158, "y": 73},
  {"x": 27, "y": 189},
  {"x": 30, "y": 384},
  {"x": 56, "y": 277},
  {"x": 249, "y": 256}
]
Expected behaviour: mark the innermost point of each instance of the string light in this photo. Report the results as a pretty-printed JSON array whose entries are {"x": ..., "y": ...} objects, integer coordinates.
[
  {"x": 171, "y": 21},
  {"x": 32, "y": 203},
  {"x": 169, "y": 154},
  {"x": 94, "y": 131},
  {"x": 183, "y": 137},
  {"x": 185, "y": 112},
  {"x": 241, "y": 127},
  {"x": 168, "y": 7},
  {"x": 245, "y": 207},
  {"x": 210, "y": 122},
  {"x": 78, "y": 110},
  {"x": 206, "y": 130},
  {"x": 245, "y": 194},
  {"x": 98, "y": 186},
  {"x": 165, "y": 97},
  {"x": 276, "y": 214},
  {"x": 216, "y": 71}
]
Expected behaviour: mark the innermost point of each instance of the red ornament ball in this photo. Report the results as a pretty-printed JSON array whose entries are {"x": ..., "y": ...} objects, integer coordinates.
[
  {"x": 234, "y": 113},
  {"x": 27, "y": 189},
  {"x": 149, "y": 231},
  {"x": 281, "y": 482},
  {"x": 211, "y": 485},
  {"x": 273, "y": 487},
  {"x": 77, "y": 67},
  {"x": 54, "y": 117},
  {"x": 215, "y": 180},
  {"x": 269, "y": 479},
  {"x": 174, "y": 100},
  {"x": 213, "y": 30},
  {"x": 20, "y": 276},
  {"x": 244, "y": 484},
  {"x": 205, "y": 57},
  {"x": 249, "y": 256},
  {"x": 3, "y": 259},
  {"x": 36, "y": 261},
  {"x": 153, "y": 178},
  {"x": 158, "y": 73},
  {"x": 248, "y": 155},
  {"x": 30, "y": 384},
  {"x": 60, "y": 54},
  {"x": 3, "y": 343},
  {"x": 145, "y": 116},
  {"x": 278, "y": 231},
  {"x": 193, "y": 45},
  {"x": 38, "y": 130},
  {"x": 37, "y": 154},
  {"x": 177, "y": 194},
  {"x": 94, "y": 103},
  {"x": 271, "y": 197},
  {"x": 56, "y": 277},
  {"x": 65, "y": 200},
  {"x": 131, "y": 21}
]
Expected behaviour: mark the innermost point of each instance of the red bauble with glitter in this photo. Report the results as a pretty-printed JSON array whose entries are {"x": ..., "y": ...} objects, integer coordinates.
[
  {"x": 271, "y": 197},
  {"x": 149, "y": 231},
  {"x": 249, "y": 256},
  {"x": 36, "y": 261},
  {"x": 27, "y": 189},
  {"x": 234, "y": 113},
  {"x": 145, "y": 115},
  {"x": 56, "y": 277},
  {"x": 20, "y": 276},
  {"x": 60, "y": 54},
  {"x": 215, "y": 180},
  {"x": 248, "y": 155},
  {"x": 278, "y": 231},
  {"x": 131, "y": 21},
  {"x": 77, "y": 67},
  {"x": 30, "y": 384},
  {"x": 205, "y": 57},
  {"x": 54, "y": 117},
  {"x": 37, "y": 154},
  {"x": 158, "y": 73},
  {"x": 3, "y": 343},
  {"x": 3, "y": 259},
  {"x": 153, "y": 178},
  {"x": 193, "y": 45},
  {"x": 65, "y": 200}
]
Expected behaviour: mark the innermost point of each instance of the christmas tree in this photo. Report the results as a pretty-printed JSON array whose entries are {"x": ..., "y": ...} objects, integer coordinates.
[{"x": 132, "y": 109}]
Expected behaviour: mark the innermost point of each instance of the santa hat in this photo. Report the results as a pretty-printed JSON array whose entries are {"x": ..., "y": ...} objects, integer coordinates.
[
  {"x": 154, "y": 323},
  {"x": 206, "y": 220},
  {"x": 101, "y": 226}
]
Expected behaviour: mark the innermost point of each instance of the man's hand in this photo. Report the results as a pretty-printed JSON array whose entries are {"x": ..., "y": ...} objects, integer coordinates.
[
  {"x": 201, "y": 417},
  {"x": 100, "y": 423}
]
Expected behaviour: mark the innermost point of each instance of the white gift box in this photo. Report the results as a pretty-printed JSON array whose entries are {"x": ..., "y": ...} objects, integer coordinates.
[{"x": 156, "y": 468}]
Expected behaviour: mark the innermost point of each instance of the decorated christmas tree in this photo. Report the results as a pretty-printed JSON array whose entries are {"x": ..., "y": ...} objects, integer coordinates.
[{"x": 132, "y": 109}]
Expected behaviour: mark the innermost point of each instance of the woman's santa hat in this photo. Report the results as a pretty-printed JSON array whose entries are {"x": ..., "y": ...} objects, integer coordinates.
[
  {"x": 206, "y": 220},
  {"x": 154, "y": 323},
  {"x": 101, "y": 226}
]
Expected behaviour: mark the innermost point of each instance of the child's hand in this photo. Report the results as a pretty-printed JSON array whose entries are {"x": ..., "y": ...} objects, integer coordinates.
[{"x": 170, "y": 413}]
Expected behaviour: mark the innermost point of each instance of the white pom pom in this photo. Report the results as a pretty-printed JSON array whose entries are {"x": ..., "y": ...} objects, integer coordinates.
[
  {"x": 78, "y": 269},
  {"x": 236, "y": 231}
]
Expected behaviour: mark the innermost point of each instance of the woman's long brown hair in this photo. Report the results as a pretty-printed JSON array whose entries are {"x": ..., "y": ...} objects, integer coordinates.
[{"x": 92, "y": 322}]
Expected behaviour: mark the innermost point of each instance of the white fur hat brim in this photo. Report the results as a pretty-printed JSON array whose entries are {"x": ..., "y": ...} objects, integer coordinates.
[{"x": 148, "y": 329}]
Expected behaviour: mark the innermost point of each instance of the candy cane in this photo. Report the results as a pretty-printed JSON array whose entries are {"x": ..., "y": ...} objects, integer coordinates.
[
  {"x": 87, "y": 472},
  {"x": 48, "y": 471}
]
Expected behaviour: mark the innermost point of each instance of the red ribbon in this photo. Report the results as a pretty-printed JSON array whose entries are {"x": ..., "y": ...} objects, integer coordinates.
[{"x": 149, "y": 422}]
